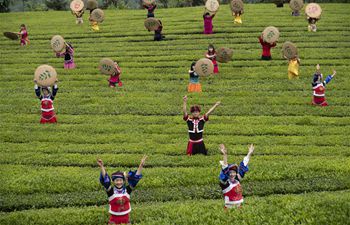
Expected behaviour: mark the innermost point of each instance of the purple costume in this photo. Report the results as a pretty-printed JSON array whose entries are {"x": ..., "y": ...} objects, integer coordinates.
[
  {"x": 24, "y": 37},
  {"x": 68, "y": 58},
  {"x": 208, "y": 24}
]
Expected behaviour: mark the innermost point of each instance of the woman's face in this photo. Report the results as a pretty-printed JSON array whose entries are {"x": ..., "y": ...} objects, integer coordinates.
[
  {"x": 45, "y": 92},
  {"x": 119, "y": 182},
  {"x": 195, "y": 114},
  {"x": 232, "y": 175},
  {"x": 211, "y": 49}
]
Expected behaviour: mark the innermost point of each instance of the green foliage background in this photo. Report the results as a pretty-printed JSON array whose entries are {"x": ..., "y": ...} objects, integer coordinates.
[{"x": 298, "y": 175}]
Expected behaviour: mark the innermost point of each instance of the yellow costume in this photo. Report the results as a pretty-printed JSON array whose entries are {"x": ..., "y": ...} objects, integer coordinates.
[
  {"x": 293, "y": 69},
  {"x": 237, "y": 19},
  {"x": 94, "y": 26}
]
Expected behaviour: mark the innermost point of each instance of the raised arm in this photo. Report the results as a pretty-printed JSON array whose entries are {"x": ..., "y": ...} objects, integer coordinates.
[
  {"x": 54, "y": 91},
  {"x": 250, "y": 152},
  {"x": 117, "y": 68},
  {"x": 60, "y": 54},
  {"x": 223, "y": 177},
  {"x": 103, "y": 170},
  {"x": 243, "y": 166},
  {"x": 135, "y": 176},
  {"x": 105, "y": 180},
  {"x": 37, "y": 90},
  {"x": 213, "y": 108},
  {"x": 70, "y": 48},
  {"x": 318, "y": 68},
  {"x": 142, "y": 163},
  {"x": 80, "y": 13},
  {"x": 185, "y": 106},
  {"x": 224, "y": 153},
  {"x": 330, "y": 77}
]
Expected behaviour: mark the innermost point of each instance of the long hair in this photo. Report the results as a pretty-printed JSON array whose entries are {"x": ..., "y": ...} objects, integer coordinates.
[
  {"x": 192, "y": 65},
  {"x": 211, "y": 46}
]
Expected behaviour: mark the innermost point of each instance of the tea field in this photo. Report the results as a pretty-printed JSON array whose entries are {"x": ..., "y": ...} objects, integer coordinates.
[{"x": 299, "y": 173}]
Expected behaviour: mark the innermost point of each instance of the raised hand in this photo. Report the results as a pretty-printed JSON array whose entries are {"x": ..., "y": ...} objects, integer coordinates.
[
  {"x": 223, "y": 149},
  {"x": 100, "y": 162},
  {"x": 318, "y": 67},
  {"x": 143, "y": 160},
  {"x": 334, "y": 73},
  {"x": 251, "y": 149},
  {"x": 142, "y": 163},
  {"x": 212, "y": 108},
  {"x": 103, "y": 170},
  {"x": 224, "y": 153},
  {"x": 185, "y": 99}
]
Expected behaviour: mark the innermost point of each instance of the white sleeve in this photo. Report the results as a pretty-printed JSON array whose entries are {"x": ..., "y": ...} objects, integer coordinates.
[
  {"x": 223, "y": 165},
  {"x": 246, "y": 160}
]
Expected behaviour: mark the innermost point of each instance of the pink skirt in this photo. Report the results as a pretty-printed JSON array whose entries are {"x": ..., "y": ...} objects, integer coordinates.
[
  {"x": 208, "y": 26},
  {"x": 208, "y": 30},
  {"x": 23, "y": 42},
  {"x": 69, "y": 65}
]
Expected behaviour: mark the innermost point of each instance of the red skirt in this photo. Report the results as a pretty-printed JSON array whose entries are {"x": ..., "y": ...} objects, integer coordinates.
[
  {"x": 48, "y": 117},
  {"x": 194, "y": 148},
  {"x": 119, "y": 219},
  {"x": 320, "y": 101},
  {"x": 216, "y": 68}
]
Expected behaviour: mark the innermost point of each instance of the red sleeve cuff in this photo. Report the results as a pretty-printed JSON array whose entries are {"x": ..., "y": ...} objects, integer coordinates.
[
  {"x": 185, "y": 117},
  {"x": 206, "y": 118}
]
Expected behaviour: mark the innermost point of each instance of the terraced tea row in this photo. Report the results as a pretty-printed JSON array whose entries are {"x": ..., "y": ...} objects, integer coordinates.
[
  {"x": 311, "y": 208},
  {"x": 300, "y": 169}
]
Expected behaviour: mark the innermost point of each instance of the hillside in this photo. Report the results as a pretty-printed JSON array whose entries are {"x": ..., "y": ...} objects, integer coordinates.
[{"x": 299, "y": 173}]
